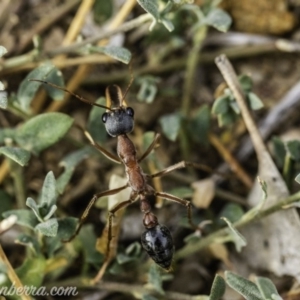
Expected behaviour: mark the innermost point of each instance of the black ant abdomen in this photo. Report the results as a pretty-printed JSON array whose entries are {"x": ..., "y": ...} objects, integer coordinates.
[{"x": 158, "y": 243}]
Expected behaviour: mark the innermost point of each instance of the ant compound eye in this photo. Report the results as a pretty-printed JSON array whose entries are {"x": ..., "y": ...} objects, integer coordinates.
[
  {"x": 130, "y": 111},
  {"x": 104, "y": 117}
]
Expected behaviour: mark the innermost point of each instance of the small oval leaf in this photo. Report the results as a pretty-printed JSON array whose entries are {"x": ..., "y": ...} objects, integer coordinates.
[
  {"x": 218, "y": 288},
  {"x": 28, "y": 89},
  {"x": 170, "y": 125},
  {"x": 266, "y": 287},
  {"x": 32, "y": 204},
  {"x": 219, "y": 19},
  {"x": 3, "y": 98},
  {"x": 43, "y": 131},
  {"x": 48, "y": 228},
  {"x": 25, "y": 217},
  {"x": 55, "y": 77},
  {"x": 151, "y": 7},
  {"x": 254, "y": 102},
  {"x": 119, "y": 53},
  {"x": 32, "y": 271},
  {"x": 49, "y": 190},
  {"x": 18, "y": 155},
  {"x": 243, "y": 286},
  {"x": 221, "y": 105},
  {"x": 238, "y": 239}
]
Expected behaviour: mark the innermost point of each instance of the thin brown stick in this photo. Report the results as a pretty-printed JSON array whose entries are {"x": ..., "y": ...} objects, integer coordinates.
[
  {"x": 229, "y": 158},
  {"x": 13, "y": 277}
]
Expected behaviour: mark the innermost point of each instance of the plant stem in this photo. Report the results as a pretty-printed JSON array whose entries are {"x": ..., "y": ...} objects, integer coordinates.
[
  {"x": 18, "y": 178},
  {"x": 122, "y": 28},
  {"x": 16, "y": 282},
  {"x": 126, "y": 288},
  {"x": 205, "y": 241},
  {"x": 192, "y": 60}
]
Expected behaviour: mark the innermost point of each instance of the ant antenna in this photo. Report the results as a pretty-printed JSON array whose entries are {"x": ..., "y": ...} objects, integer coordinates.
[
  {"x": 71, "y": 93},
  {"x": 130, "y": 82}
]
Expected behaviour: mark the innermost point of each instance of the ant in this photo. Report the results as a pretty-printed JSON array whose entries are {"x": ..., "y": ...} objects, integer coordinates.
[{"x": 119, "y": 121}]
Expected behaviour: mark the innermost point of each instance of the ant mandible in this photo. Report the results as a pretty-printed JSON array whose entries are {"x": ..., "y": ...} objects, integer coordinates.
[{"x": 119, "y": 121}]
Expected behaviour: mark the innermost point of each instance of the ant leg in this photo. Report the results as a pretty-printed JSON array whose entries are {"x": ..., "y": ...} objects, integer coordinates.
[
  {"x": 150, "y": 148},
  {"x": 108, "y": 256},
  {"x": 183, "y": 202},
  {"x": 106, "y": 153},
  {"x": 87, "y": 210},
  {"x": 181, "y": 165}
]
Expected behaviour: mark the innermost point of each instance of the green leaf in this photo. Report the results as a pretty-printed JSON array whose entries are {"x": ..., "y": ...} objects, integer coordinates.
[
  {"x": 48, "y": 195},
  {"x": 293, "y": 148},
  {"x": 3, "y": 51},
  {"x": 243, "y": 286},
  {"x": 119, "y": 53},
  {"x": 237, "y": 238},
  {"x": 279, "y": 150},
  {"x": 95, "y": 124},
  {"x": 266, "y": 288},
  {"x": 226, "y": 119},
  {"x": 18, "y": 155},
  {"x": 155, "y": 280},
  {"x": 31, "y": 273},
  {"x": 43, "y": 131},
  {"x": 297, "y": 179},
  {"x": 245, "y": 82},
  {"x": 28, "y": 89},
  {"x": 182, "y": 192},
  {"x": 151, "y": 7},
  {"x": 132, "y": 253},
  {"x": 231, "y": 211},
  {"x": 50, "y": 211},
  {"x": 149, "y": 297},
  {"x": 88, "y": 239},
  {"x": 69, "y": 162},
  {"x": 3, "y": 97},
  {"x": 66, "y": 228},
  {"x": 171, "y": 125},
  {"x": 48, "y": 228},
  {"x": 102, "y": 11},
  {"x": 218, "y": 288},
  {"x": 25, "y": 217},
  {"x": 35, "y": 208},
  {"x": 6, "y": 202},
  {"x": 147, "y": 90},
  {"x": 234, "y": 106},
  {"x": 30, "y": 242},
  {"x": 221, "y": 105},
  {"x": 200, "y": 123},
  {"x": 55, "y": 77},
  {"x": 254, "y": 102},
  {"x": 219, "y": 19},
  {"x": 7, "y": 133}
]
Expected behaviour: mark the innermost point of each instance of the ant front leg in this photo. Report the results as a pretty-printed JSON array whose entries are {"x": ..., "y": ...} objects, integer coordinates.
[
  {"x": 101, "y": 149},
  {"x": 108, "y": 255},
  {"x": 91, "y": 203},
  {"x": 152, "y": 146}
]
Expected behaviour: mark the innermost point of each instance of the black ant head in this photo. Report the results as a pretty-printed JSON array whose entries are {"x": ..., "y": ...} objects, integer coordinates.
[
  {"x": 119, "y": 119},
  {"x": 157, "y": 242}
]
